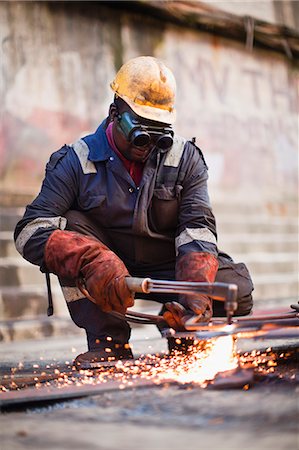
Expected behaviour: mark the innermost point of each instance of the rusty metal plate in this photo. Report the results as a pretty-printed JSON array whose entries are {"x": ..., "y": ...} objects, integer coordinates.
[{"x": 33, "y": 395}]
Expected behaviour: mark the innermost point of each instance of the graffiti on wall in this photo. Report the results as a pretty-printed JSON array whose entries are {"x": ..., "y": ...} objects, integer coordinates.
[
  {"x": 243, "y": 110},
  {"x": 51, "y": 92}
]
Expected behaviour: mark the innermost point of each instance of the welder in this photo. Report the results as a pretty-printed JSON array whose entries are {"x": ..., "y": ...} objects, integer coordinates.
[{"x": 129, "y": 200}]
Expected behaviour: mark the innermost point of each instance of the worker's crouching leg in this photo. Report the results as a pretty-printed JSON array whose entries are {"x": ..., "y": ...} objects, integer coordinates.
[
  {"x": 102, "y": 329},
  {"x": 236, "y": 273}
]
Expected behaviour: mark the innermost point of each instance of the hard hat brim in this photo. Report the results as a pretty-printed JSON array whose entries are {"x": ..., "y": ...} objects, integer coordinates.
[{"x": 149, "y": 112}]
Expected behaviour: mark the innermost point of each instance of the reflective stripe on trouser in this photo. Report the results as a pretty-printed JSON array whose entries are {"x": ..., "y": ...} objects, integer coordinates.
[{"x": 98, "y": 325}]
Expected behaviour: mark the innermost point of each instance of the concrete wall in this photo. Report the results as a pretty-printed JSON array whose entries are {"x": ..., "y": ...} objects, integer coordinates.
[{"x": 58, "y": 59}]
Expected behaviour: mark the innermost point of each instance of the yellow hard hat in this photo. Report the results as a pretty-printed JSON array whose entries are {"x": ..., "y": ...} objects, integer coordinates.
[{"x": 148, "y": 87}]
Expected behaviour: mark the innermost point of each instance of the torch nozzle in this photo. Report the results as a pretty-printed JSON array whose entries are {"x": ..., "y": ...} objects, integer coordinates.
[{"x": 231, "y": 303}]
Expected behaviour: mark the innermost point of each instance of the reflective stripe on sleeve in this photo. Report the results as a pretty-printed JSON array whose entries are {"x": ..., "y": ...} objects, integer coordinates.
[
  {"x": 71, "y": 294},
  {"x": 175, "y": 153},
  {"x": 82, "y": 151},
  {"x": 32, "y": 227},
  {"x": 194, "y": 234}
]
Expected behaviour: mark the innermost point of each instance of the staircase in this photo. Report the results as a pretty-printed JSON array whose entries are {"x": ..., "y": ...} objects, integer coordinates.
[
  {"x": 23, "y": 292},
  {"x": 266, "y": 242}
]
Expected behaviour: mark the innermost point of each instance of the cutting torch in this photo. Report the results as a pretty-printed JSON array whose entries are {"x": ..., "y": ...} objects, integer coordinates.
[{"x": 277, "y": 326}]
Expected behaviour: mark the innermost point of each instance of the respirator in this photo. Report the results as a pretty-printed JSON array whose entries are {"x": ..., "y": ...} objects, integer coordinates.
[{"x": 141, "y": 135}]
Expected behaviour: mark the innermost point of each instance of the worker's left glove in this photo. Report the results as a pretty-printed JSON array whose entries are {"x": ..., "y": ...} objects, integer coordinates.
[
  {"x": 72, "y": 255},
  {"x": 195, "y": 266},
  {"x": 177, "y": 315}
]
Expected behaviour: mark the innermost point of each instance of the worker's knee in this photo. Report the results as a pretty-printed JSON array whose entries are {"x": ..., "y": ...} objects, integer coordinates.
[
  {"x": 244, "y": 308},
  {"x": 245, "y": 305},
  {"x": 236, "y": 273}
]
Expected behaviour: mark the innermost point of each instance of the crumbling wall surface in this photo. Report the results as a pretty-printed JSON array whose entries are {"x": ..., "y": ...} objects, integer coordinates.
[
  {"x": 58, "y": 60},
  {"x": 244, "y": 113},
  {"x": 56, "y": 64}
]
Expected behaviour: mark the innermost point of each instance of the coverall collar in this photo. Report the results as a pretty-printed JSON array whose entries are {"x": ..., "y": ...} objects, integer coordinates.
[{"x": 99, "y": 149}]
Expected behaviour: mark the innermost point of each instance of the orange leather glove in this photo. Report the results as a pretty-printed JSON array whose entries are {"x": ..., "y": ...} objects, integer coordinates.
[
  {"x": 71, "y": 255},
  {"x": 195, "y": 266}
]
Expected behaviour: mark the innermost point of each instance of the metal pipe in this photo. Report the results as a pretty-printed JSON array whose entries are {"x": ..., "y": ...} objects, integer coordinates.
[{"x": 217, "y": 291}]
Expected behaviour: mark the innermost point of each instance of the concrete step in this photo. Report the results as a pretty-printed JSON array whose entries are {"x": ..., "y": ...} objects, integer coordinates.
[
  {"x": 16, "y": 271},
  {"x": 7, "y": 245},
  {"x": 274, "y": 303},
  {"x": 235, "y": 224},
  {"x": 9, "y": 217},
  {"x": 275, "y": 286},
  {"x": 267, "y": 263},
  {"x": 258, "y": 242},
  {"x": 273, "y": 207},
  {"x": 30, "y": 301},
  {"x": 38, "y": 328}
]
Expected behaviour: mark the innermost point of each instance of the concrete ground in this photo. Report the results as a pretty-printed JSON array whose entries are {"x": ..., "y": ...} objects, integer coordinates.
[{"x": 161, "y": 418}]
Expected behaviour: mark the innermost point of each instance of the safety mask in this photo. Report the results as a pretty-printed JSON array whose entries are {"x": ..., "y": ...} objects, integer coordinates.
[{"x": 141, "y": 135}]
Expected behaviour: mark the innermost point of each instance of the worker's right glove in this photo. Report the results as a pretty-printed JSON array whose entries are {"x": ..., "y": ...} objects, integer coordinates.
[
  {"x": 194, "y": 266},
  {"x": 72, "y": 255}
]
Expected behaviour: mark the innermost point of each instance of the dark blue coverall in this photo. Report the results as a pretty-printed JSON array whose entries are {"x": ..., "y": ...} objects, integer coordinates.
[{"x": 87, "y": 189}]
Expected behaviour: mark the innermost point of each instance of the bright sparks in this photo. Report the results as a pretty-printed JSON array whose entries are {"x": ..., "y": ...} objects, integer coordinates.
[{"x": 202, "y": 366}]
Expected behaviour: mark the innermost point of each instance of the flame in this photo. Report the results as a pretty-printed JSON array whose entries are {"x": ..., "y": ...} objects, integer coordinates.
[{"x": 218, "y": 356}]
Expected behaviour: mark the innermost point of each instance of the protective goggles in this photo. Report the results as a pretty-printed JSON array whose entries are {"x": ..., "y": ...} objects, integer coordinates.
[{"x": 141, "y": 135}]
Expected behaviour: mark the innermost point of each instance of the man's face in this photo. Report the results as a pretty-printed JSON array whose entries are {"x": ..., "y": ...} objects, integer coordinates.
[{"x": 131, "y": 151}]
